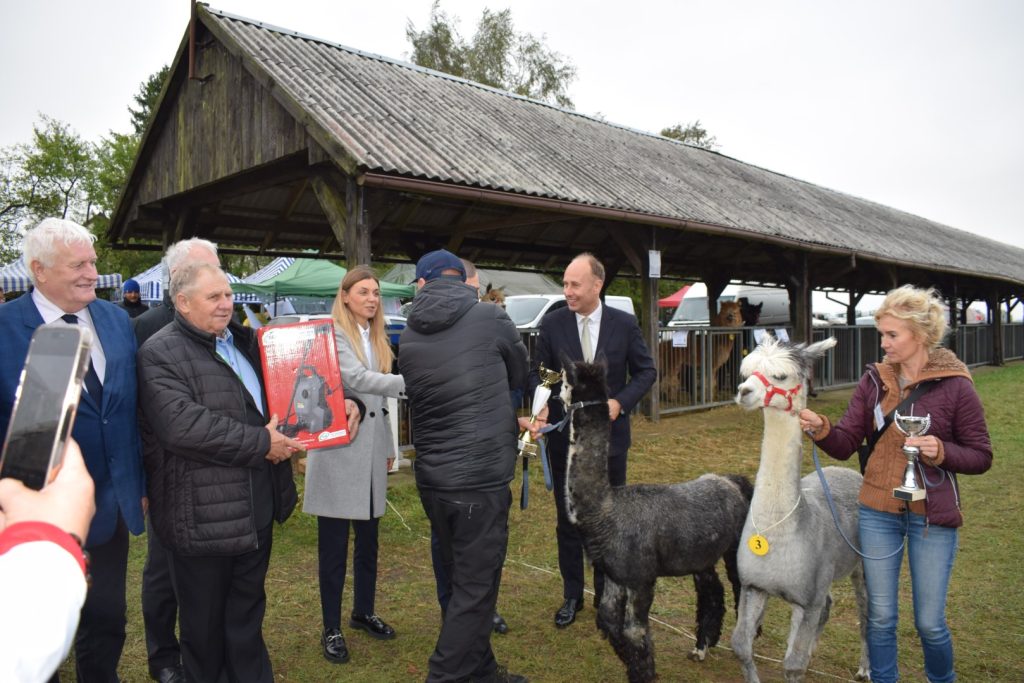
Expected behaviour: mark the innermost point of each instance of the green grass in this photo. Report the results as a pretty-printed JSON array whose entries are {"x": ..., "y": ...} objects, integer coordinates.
[{"x": 985, "y": 610}]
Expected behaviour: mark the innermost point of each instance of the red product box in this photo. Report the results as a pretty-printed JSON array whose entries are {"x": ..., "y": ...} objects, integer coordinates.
[{"x": 303, "y": 382}]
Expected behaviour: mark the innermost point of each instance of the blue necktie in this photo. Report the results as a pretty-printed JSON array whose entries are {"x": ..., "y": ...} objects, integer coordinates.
[{"x": 92, "y": 380}]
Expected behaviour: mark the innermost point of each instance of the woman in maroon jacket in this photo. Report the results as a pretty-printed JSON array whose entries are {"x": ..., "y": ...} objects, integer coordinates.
[{"x": 912, "y": 323}]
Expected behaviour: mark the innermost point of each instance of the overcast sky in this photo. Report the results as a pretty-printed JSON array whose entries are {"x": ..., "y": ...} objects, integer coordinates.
[{"x": 916, "y": 104}]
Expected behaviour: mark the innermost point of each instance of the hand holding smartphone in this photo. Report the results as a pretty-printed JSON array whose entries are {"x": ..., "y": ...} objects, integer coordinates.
[{"x": 45, "y": 403}]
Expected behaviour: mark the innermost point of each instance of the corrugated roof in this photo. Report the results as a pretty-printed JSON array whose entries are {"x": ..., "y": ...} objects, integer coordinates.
[{"x": 401, "y": 119}]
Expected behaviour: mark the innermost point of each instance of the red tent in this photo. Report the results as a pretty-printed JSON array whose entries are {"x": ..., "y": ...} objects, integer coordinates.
[{"x": 673, "y": 300}]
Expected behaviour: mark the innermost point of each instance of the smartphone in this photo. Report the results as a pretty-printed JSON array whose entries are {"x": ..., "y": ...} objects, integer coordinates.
[{"x": 45, "y": 403}]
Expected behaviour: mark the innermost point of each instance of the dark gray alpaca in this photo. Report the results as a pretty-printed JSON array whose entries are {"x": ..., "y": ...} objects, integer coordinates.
[{"x": 637, "y": 533}]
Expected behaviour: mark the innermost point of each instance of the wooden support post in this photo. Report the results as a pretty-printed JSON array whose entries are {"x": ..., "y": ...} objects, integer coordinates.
[
  {"x": 954, "y": 316},
  {"x": 996, "y": 321},
  {"x": 715, "y": 284},
  {"x": 341, "y": 199},
  {"x": 799, "y": 289},
  {"x": 851, "y": 309},
  {"x": 649, "y": 308}
]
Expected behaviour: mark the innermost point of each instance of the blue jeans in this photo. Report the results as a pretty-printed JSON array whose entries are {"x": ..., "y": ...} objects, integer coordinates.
[{"x": 930, "y": 550}]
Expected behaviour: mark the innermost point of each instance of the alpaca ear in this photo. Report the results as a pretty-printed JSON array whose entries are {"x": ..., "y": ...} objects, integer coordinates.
[
  {"x": 488, "y": 290},
  {"x": 819, "y": 349},
  {"x": 566, "y": 362},
  {"x": 601, "y": 360}
]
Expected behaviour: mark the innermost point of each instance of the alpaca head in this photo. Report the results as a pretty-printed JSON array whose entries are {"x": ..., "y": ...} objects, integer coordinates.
[
  {"x": 494, "y": 295},
  {"x": 582, "y": 381},
  {"x": 750, "y": 313},
  {"x": 729, "y": 315},
  {"x": 775, "y": 374}
]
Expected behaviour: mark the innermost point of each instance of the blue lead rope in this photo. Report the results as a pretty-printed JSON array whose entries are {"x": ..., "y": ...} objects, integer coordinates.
[
  {"x": 524, "y": 497},
  {"x": 835, "y": 515}
]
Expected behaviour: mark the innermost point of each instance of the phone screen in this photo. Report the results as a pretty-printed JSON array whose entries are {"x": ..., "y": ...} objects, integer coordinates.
[{"x": 39, "y": 425}]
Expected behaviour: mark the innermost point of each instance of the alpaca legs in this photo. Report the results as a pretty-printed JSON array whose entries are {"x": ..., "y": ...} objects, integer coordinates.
[
  {"x": 710, "y": 610},
  {"x": 805, "y": 626},
  {"x": 748, "y": 621},
  {"x": 861, "y": 594},
  {"x": 732, "y": 571},
  {"x": 623, "y": 618}
]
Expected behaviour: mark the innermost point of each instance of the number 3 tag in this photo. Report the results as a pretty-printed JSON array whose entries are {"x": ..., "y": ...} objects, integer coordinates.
[{"x": 758, "y": 545}]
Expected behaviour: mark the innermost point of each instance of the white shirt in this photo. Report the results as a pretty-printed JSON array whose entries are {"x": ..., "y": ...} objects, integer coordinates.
[
  {"x": 51, "y": 312},
  {"x": 367, "y": 347},
  {"x": 595, "y": 327}
]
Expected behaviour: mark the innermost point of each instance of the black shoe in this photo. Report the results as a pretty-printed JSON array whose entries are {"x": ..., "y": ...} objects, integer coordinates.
[
  {"x": 170, "y": 674},
  {"x": 373, "y": 625},
  {"x": 498, "y": 624},
  {"x": 335, "y": 650},
  {"x": 566, "y": 614}
]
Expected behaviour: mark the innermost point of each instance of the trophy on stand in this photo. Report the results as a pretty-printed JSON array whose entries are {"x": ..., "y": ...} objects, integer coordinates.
[
  {"x": 548, "y": 378},
  {"x": 911, "y": 426}
]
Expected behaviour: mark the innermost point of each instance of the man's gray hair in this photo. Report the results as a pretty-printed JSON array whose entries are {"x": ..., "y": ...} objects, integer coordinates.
[
  {"x": 179, "y": 251},
  {"x": 470, "y": 268},
  {"x": 184, "y": 279},
  {"x": 40, "y": 243}
]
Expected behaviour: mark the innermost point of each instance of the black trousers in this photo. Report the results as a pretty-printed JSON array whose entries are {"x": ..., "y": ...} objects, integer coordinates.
[
  {"x": 159, "y": 606},
  {"x": 101, "y": 628},
  {"x": 570, "y": 543},
  {"x": 332, "y": 547},
  {"x": 221, "y": 603},
  {"x": 472, "y": 529}
]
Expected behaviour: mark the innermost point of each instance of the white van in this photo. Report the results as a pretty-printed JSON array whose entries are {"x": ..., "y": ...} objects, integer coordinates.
[
  {"x": 526, "y": 310},
  {"x": 693, "y": 309}
]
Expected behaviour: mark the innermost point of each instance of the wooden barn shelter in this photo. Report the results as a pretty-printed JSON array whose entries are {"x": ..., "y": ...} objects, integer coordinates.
[{"x": 271, "y": 142}]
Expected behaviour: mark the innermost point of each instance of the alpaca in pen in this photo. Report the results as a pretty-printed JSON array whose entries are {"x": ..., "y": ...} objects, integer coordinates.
[
  {"x": 791, "y": 547},
  {"x": 636, "y": 533}
]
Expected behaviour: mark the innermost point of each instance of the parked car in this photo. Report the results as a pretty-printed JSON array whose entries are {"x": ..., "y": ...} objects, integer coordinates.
[
  {"x": 526, "y": 310},
  {"x": 693, "y": 309}
]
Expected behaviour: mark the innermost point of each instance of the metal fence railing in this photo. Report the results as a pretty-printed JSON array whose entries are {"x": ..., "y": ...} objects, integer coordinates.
[{"x": 699, "y": 366}]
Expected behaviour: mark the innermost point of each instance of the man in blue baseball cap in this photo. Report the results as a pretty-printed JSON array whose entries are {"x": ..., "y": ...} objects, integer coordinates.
[
  {"x": 132, "y": 299},
  {"x": 460, "y": 359},
  {"x": 439, "y": 264}
]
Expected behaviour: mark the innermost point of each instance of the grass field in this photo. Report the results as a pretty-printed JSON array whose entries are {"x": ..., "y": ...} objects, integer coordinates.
[{"x": 986, "y": 600}]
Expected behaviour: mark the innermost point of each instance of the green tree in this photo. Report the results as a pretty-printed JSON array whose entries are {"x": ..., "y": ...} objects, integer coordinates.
[
  {"x": 149, "y": 92},
  {"x": 497, "y": 56},
  {"x": 48, "y": 176},
  {"x": 693, "y": 134},
  {"x": 58, "y": 164}
]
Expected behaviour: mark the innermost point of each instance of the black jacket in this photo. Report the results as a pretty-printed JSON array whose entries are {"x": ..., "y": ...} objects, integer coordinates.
[
  {"x": 153, "y": 320},
  {"x": 205, "y": 444},
  {"x": 620, "y": 346},
  {"x": 460, "y": 358}
]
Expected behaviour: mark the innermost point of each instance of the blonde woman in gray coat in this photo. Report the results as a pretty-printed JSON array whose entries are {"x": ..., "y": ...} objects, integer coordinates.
[{"x": 348, "y": 485}]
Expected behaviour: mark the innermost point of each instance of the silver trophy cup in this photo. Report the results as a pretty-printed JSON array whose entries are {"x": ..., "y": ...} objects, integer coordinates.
[{"x": 911, "y": 425}]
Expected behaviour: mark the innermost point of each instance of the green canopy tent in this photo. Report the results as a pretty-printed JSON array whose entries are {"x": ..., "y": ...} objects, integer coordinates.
[{"x": 316, "y": 278}]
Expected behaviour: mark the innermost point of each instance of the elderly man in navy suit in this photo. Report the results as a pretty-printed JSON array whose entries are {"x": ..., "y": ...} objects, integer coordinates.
[
  {"x": 62, "y": 265},
  {"x": 586, "y": 330}
]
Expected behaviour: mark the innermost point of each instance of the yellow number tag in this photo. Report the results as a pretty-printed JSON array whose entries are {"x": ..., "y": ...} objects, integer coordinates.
[{"x": 758, "y": 544}]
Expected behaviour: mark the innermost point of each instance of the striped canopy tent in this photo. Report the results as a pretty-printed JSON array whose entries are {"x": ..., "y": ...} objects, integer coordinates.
[
  {"x": 151, "y": 286},
  {"x": 14, "y": 278},
  {"x": 272, "y": 269}
]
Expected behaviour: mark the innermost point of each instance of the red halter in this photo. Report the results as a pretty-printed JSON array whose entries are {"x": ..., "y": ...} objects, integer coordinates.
[{"x": 772, "y": 390}]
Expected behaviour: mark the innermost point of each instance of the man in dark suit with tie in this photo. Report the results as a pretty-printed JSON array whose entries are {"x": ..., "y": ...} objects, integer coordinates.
[
  {"x": 62, "y": 264},
  {"x": 586, "y": 330}
]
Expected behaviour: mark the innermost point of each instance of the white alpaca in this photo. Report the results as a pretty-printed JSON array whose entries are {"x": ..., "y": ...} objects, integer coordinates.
[{"x": 790, "y": 546}]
